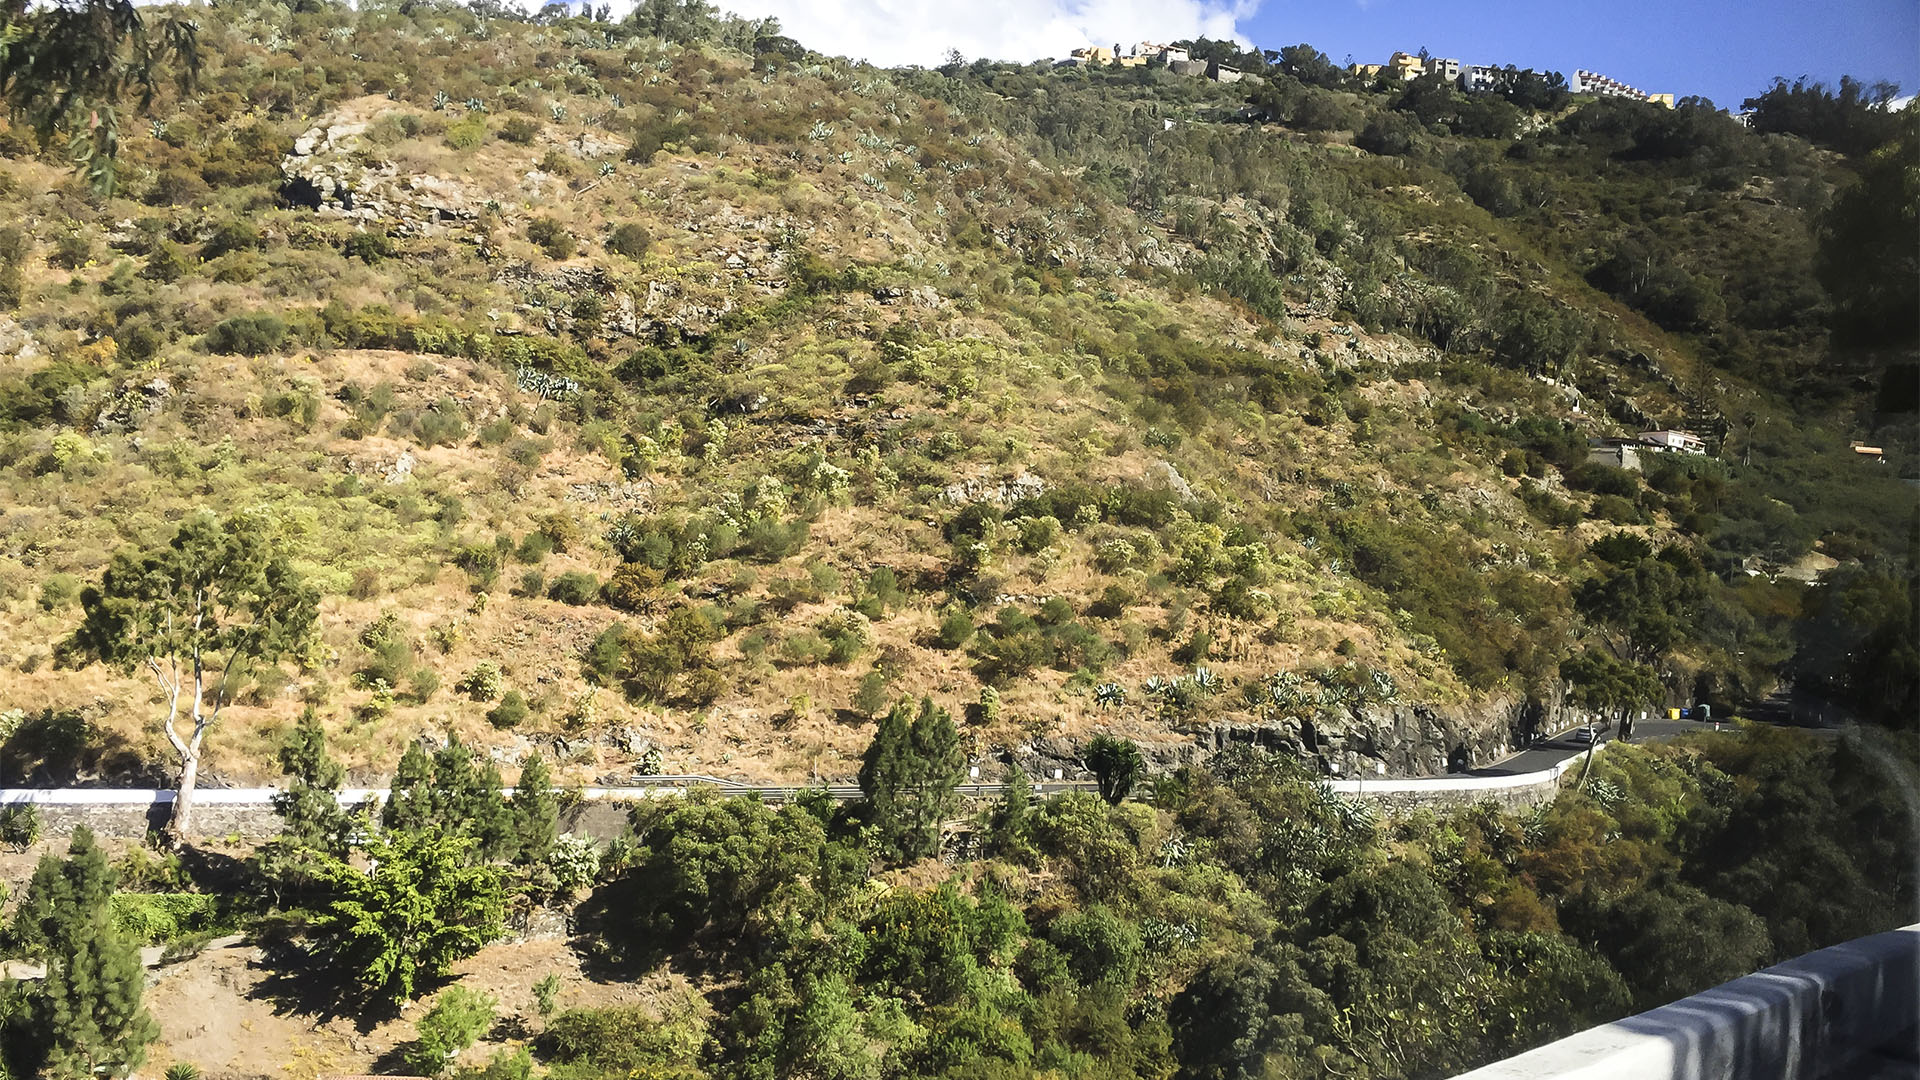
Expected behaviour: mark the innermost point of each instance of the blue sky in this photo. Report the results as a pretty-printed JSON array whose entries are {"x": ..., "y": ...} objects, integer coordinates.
[{"x": 1725, "y": 49}]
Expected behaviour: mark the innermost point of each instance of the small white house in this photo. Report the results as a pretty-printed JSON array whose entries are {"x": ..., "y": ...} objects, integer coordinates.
[{"x": 1685, "y": 442}]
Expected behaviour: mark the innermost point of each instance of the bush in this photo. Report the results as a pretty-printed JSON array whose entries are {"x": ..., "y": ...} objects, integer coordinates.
[
  {"x": 59, "y": 592},
  {"x": 457, "y": 1019},
  {"x": 229, "y": 236},
  {"x": 247, "y": 335},
  {"x": 630, "y": 240},
  {"x": 617, "y": 1040},
  {"x": 483, "y": 682},
  {"x": 954, "y": 630},
  {"x": 163, "y": 918},
  {"x": 634, "y": 587},
  {"x": 369, "y": 247},
  {"x": 576, "y": 587},
  {"x": 520, "y": 130},
  {"x": 511, "y": 712},
  {"x": 467, "y": 132},
  {"x": 552, "y": 237}
]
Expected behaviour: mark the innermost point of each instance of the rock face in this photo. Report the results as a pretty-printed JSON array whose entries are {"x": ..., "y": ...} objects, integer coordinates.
[
  {"x": 331, "y": 172},
  {"x": 1410, "y": 740}
]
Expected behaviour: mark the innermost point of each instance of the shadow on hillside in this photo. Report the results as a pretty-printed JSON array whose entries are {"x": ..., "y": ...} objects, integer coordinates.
[
  {"x": 298, "y": 984},
  {"x": 55, "y": 748}
]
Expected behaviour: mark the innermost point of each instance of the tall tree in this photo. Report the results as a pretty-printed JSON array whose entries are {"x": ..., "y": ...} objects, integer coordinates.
[
  {"x": 535, "y": 812},
  {"x": 200, "y": 616},
  {"x": 67, "y": 67},
  {"x": 451, "y": 792},
  {"x": 313, "y": 823},
  {"x": 88, "y": 1012},
  {"x": 908, "y": 778}
]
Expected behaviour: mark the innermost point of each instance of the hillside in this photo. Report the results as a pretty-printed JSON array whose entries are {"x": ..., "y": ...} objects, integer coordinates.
[
  {"x": 1039, "y": 393},
  {"x": 542, "y": 400}
]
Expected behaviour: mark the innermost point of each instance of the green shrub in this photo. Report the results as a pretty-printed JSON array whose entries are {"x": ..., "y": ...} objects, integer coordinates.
[
  {"x": 511, "y": 712},
  {"x": 59, "y": 592},
  {"x": 629, "y": 239},
  {"x": 576, "y": 587},
  {"x": 231, "y": 235},
  {"x": 458, "y": 1018},
  {"x": 369, "y": 247},
  {"x": 551, "y": 237},
  {"x": 467, "y": 132},
  {"x": 520, "y": 130},
  {"x": 483, "y": 682},
  {"x": 161, "y": 918},
  {"x": 955, "y": 628},
  {"x": 247, "y": 335},
  {"x": 619, "y": 1039},
  {"x": 445, "y": 424}
]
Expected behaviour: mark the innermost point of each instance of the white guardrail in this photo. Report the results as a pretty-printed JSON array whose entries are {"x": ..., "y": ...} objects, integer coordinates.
[
  {"x": 1842, "y": 1012},
  {"x": 648, "y": 787}
]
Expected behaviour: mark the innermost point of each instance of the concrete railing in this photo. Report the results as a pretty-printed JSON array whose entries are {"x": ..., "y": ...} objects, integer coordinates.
[
  {"x": 1849, "y": 1011},
  {"x": 248, "y": 812}
]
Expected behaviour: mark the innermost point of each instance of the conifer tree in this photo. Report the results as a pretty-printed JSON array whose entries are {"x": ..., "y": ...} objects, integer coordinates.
[
  {"x": 411, "y": 802},
  {"x": 426, "y": 902},
  {"x": 536, "y": 812},
  {"x": 885, "y": 773},
  {"x": 313, "y": 823},
  {"x": 451, "y": 792},
  {"x": 88, "y": 1011},
  {"x": 908, "y": 778}
]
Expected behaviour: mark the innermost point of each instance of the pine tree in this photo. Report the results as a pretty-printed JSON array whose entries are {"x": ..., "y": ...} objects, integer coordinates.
[
  {"x": 80, "y": 882},
  {"x": 885, "y": 773},
  {"x": 88, "y": 1012},
  {"x": 411, "y": 804},
  {"x": 536, "y": 812},
  {"x": 908, "y": 778},
  {"x": 313, "y": 823},
  {"x": 1010, "y": 830},
  {"x": 472, "y": 801},
  {"x": 939, "y": 766}
]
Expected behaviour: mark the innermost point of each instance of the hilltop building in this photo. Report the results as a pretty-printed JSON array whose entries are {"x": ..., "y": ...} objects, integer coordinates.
[
  {"x": 1405, "y": 67},
  {"x": 1172, "y": 57},
  {"x": 1486, "y": 78},
  {"x": 1592, "y": 82}
]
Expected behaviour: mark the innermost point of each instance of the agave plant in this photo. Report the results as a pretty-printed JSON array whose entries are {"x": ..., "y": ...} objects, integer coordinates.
[
  {"x": 1109, "y": 695},
  {"x": 441, "y": 99},
  {"x": 557, "y": 111}
]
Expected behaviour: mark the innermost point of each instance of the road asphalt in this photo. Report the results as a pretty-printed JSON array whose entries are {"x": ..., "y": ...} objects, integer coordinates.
[{"x": 1547, "y": 754}]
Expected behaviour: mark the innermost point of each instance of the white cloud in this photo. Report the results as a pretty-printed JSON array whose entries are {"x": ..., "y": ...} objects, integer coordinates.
[{"x": 893, "y": 32}]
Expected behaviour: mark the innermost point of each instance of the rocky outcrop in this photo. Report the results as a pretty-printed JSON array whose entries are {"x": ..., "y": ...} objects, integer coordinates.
[
  {"x": 331, "y": 172},
  {"x": 1410, "y": 740}
]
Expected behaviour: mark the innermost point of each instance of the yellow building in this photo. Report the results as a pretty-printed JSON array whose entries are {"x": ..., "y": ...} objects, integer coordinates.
[
  {"x": 1366, "y": 71},
  {"x": 1406, "y": 68},
  {"x": 1661, "y": 99}
]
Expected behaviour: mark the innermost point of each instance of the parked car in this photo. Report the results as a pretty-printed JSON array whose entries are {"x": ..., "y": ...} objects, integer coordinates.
[{"x": 1584, "y": 735}]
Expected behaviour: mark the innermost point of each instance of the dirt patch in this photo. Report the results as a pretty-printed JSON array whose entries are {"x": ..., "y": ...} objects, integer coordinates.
[{"x": 214, "y": 1012}]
